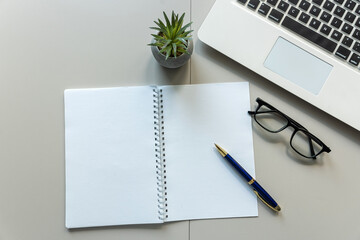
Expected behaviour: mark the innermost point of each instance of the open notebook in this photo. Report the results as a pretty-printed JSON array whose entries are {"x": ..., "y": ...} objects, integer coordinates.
[{"x": 139, "y": 155}]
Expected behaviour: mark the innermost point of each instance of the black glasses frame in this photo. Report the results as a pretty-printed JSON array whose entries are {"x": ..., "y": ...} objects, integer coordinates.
[{"x": 290, "y": 123}]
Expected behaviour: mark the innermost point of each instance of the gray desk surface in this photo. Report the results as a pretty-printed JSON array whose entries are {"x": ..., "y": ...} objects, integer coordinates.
[{"x": 48, "y": 46}]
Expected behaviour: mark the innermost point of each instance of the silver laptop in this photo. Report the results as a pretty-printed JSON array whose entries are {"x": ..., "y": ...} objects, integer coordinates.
[{"x": 310, "y": 48}]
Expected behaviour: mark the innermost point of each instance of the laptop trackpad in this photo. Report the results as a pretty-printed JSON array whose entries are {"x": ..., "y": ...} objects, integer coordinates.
[{"x": 298, "y": 66}]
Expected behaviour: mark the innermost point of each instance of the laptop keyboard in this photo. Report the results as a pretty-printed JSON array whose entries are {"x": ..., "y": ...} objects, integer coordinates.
[{"x": 333, "y": 25}]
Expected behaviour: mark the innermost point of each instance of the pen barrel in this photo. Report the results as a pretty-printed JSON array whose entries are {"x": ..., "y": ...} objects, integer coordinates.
[
  {"x": 263, "y": 194},
  {"x": 239, "y": 168}
]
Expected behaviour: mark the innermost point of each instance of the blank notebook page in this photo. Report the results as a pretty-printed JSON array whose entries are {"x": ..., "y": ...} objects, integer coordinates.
[
  {"x": 110, "y": 165},
  {"x": 200, "y": 183}
]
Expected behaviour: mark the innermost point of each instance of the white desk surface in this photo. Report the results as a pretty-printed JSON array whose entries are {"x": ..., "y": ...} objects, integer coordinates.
[{"x": 49, "y": 46}]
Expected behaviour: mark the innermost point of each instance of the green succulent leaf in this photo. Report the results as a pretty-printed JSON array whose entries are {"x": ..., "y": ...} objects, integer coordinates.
[
  {"x": 157, "y": 37},
  {"x": 167, "y": 42},
  {"x": 180, "y": 23},
  {"x": 182, "y": 50},
  {"x": 174, "y": 48},
  {"x": 173, "y": 18},
  {"x": 168, "y": 52},
  {"x": 166, "y": 49},
  {"x": 166, "y": 19},
  {"x": 183, "y": 40},
  {"x": 156, "y": 28},
  {"x": 185, "y": 27}
]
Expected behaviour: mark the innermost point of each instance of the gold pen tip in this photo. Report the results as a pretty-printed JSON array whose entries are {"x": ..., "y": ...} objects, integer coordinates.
[{"x": 221, "y": 150}]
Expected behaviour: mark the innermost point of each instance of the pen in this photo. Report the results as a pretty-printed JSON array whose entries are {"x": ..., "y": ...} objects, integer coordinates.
[{"x": 259, "y": 191}]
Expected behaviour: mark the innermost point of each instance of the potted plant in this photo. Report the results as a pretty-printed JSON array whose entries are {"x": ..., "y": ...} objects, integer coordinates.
[{"x": 172, "y": 46}]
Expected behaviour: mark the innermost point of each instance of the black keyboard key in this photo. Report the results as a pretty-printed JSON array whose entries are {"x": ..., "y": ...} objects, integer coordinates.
[
  {"x": 304, "y": 5},
  {"x": 336, "y": 22},
  {"x": 275, "y": 15},
  {"x": 309, "y": 34},
  {"x": 339, "y": 11},
  {"x": 329, "y": 5},
  {"x": 314, "y": 23},
  {"x": 342, "y": 52},
  {"x": 295, "y": 2},
  {"x": 283, "y": 6},
  {"x": 325, "y": 29},
  {"x": 347, "y": 41},
  {"x": 350, "y": 4},
  {"x": 356, "y": 34},
  {"x": 347, "y": 28},
  {"x": 356, "y": 47},
  {"x": 358, "y": 9},
  {"x": 315, "y": 11},
  {"x": 304, "y": 17},
  {"x": 355, "y": 59},
  {"x": 336, "y": 35},
  {"x": 242, "y": 1},
  {"x": 339, "y": 1},
  {"x": 357, "y": 23},
  {"x": 350, "y": 17},
  {"x": 272, "y": 2},
  {"x": 253, "y": 4},
  {"x": 264, "y": 9},
  {"x": 294, "y": 12},
  {"x": 325, "y": 16},
  {"x": 317, "y": 2}
]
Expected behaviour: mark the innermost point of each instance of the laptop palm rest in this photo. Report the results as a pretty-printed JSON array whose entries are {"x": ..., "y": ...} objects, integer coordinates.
[{"x": 298, "y": 66}]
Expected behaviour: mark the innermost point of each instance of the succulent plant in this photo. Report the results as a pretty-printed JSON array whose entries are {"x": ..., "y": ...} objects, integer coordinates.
[{"x": 172, "y": 38}]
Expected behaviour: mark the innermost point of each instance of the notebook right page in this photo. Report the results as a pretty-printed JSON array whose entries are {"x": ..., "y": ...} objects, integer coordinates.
[{"x": 200, "y": 183}]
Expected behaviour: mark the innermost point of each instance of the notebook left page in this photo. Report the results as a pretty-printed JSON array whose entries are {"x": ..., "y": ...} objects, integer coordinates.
[{"x": 109, "y": 151}]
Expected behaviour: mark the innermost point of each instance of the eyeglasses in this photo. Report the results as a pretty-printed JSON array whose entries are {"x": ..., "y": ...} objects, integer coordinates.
[{"x": 302, "y": 141}]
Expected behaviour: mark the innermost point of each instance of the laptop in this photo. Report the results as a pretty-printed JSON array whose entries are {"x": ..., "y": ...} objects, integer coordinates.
[{"x": 310, "y": 48}]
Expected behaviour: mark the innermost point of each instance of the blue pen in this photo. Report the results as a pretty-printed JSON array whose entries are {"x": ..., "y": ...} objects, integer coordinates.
[{"x": 259, "y": 191}]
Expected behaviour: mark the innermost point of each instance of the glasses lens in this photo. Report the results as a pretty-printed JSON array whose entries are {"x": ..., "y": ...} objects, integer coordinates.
[
  {"x": 305, "y": 144},
  {"x": 270, "y": 119}
]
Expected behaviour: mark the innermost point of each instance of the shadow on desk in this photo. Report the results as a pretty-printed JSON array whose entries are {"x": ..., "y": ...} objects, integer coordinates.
[
  {"x": 120, "y": 227},
  {"x": 155, "y": 73},
  {"x": 284, "y": 138}
]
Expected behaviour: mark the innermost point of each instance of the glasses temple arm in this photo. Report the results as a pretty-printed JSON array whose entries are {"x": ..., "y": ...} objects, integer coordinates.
[
  {"x": 254, "y": 112},
  {"x": 312, "y": 152}
]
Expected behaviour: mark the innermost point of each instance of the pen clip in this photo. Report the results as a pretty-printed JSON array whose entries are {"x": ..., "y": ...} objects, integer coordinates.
[{"x": 277, "y": 209}]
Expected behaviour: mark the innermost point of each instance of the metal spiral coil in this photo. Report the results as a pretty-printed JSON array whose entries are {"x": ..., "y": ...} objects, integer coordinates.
[{"x": 160, "y": 153}]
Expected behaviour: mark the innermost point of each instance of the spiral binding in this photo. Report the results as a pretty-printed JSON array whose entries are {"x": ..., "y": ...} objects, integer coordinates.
[{"x": 160, "y": 153}]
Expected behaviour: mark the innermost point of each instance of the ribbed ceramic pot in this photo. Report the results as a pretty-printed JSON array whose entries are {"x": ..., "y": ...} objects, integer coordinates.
[{"x": 172, "y": 62}]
